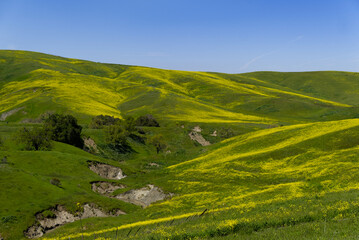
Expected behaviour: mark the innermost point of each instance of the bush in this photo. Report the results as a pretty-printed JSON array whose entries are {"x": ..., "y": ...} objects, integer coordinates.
[
  {"x": 116, "y": 138},
  {"x": 226, "y": 133},
  {"x": 48, "y": 214},
  {"x": 56, "y": 182},
  {"x": 35, "y": 139},
  {"x": 9, "y": 219},
  {"x": 64, "y": 128},
  {"x": 130, "y": 124},
  {"x": 158, "y": 142},
  {"x": 147, "y": 121},
  {"x": 116, "y": 135},
  {"x": 103, "y": 120}
]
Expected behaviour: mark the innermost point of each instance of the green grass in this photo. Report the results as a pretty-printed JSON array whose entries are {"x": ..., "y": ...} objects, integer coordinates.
[
  {"x": 86, "y": 89},
  {"x": 256, "y": 182},
  {"x": 289, "y": 172}
]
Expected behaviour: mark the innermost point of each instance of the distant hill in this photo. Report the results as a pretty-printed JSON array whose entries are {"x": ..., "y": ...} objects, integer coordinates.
[{"x": 52, "y": 83}]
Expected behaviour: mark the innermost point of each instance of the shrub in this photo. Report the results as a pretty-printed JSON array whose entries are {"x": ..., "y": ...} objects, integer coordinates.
[
  {"x": 8, "y": 219},
  {"x": 56, "y": 182},
  {"x": 130, "y": 124},
  {"x": 103, "y": 120},
  {"x": 158, "y": 142},
  {"x": 64, "y": 128},
  {"x": 35, "y": 139},
  {"x": 226, "y": 133},
  {"x": 147, "y": 121},
  {"x": 116, "y": 138},
  {"x": 116, "y": 135}
]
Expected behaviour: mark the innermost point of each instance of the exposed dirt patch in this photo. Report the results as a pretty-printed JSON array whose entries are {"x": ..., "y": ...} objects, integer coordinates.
[
  {"x": 144, "y": 196},
  {"x": 4, "y": 115},
  {"x": 197, "y": 129},
  {"x": 106, "y": 171},
  {"x": 60, "y": 217},
  {"x": 106, "y": 188},
  {"x": 195, "y": 136},
  {"x": 152, "y": 164},
  {"x": 214, "y": 134},
  {"x": 90, "y": 145}
]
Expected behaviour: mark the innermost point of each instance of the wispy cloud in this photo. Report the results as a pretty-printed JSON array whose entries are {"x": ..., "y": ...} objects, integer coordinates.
[
  {"x": 246, "y": 65},
  {"x": 253, "y": 60}
]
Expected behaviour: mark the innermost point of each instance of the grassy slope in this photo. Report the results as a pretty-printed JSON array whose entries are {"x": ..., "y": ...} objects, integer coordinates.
[
  {"x": 43, "y": 82},
  {"x": 305, "y": 171},
  {"x": 26, "y": 187},
  {"x": 300, "y": 174}
]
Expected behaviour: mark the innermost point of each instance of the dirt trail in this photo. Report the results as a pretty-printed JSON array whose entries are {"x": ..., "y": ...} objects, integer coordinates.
[{"x": 4, "y": 115}]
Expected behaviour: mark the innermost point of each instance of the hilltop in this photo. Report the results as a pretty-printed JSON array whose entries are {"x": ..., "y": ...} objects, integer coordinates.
[
  {"x": 281, "y": 159},
  {"x": 86, "y": 89}
]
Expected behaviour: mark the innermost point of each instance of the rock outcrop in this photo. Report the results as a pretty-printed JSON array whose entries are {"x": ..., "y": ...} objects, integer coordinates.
[
  {"x": 106, "y": 171},
  {"x": 143, "y": 196},
  {"x": 61, "y": 216}
]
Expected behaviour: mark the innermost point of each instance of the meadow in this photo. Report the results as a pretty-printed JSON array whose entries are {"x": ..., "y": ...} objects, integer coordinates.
[{"x": 283, "y": 164}]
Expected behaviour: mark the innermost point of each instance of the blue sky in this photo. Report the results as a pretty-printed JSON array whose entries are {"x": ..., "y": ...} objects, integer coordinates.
[{"x": 196, "y": 35}]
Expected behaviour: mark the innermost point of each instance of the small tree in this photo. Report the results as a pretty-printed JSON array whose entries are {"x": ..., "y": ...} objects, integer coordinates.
[
  {"x": 116, "y": 138},
  {"x": 35, "y": 139},
  {"x": 130, "y": 124},
  {"x": 159, "y": 143},
  {"x": 64, "y": 128},
  {"x": 116, "y": 135}
]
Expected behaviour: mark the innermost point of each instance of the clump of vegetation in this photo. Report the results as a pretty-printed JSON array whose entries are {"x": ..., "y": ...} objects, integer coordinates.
[
  {"x": 64, "y": 128},
  {"x": 116, "y": 135},
  {"x": 35, "y": 139},
  {"x": 56, "y": 182},
  {"x": 129, "y": 122},
  {"x": 147, "y": 121},
  {"x": 117, "y": 131},
  {"x": 47, "y": 214},
  {"x": 226, "y": 133},
  {"x": 8, "y": 219},
  {"x": 159, "y": 142},
  {"x": 103, "y": 120},
  {"x": 4, "y": 160},
  {"x": 116, "y": 138}
]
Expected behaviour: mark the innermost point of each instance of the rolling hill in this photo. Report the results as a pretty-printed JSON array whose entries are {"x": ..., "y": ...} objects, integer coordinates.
[{"x": 291, "y": 159}]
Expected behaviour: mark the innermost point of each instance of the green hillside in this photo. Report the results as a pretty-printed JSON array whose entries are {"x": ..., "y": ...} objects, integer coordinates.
[
  {"x": 282, "y": 164},
  {"x": 41, "y": 82}
]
